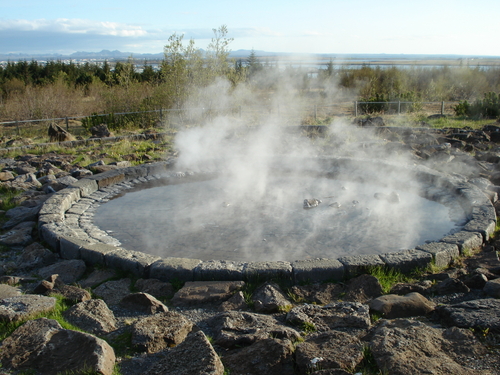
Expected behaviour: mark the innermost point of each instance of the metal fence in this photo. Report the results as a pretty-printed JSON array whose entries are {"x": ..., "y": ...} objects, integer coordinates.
[{"x": 174, "y": 118}]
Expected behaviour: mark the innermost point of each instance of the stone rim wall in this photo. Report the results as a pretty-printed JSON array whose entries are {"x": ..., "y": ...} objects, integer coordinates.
[{"x": 63, "y": 216}]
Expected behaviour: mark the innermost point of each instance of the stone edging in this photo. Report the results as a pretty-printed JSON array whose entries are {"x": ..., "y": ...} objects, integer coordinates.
[{"x": 65, "y": 223}]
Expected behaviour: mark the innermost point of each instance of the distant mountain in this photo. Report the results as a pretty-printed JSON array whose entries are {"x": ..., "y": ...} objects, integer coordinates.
[{"x": 239, "y": 54}]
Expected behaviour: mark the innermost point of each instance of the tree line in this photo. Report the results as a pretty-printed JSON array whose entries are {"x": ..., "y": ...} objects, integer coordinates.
[{"x": 34, "y": 90}]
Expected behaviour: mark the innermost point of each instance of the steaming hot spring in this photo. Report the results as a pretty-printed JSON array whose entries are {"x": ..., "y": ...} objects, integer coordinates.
[{"x": 263, "y": 201}]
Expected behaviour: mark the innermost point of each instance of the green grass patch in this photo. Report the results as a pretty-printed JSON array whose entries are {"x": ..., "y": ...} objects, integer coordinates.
[
  {"x": 308, "y": 327},
  {"x": 122, "y": 344},
  {"x": 7, "y": 196},
  {"x": 368, "y": 365},
  {"x": 388, "y": 277},
  {"x": 62, "y": 304}
]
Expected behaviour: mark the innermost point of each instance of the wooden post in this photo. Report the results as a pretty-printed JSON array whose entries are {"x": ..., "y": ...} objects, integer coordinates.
[
  {"x": 315, "y": 112},
  {"x": 67, "y": 123},
  {"x": 356, "y": 108},
  {"x": 399, "y": 107},
  {"x": 17, "y": 127},
  {"x": 161, "y": 114},
  {"x": 442, "y": 108}
]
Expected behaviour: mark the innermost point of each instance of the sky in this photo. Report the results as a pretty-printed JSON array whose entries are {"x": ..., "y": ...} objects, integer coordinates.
[{"x": 315, "y": 26}]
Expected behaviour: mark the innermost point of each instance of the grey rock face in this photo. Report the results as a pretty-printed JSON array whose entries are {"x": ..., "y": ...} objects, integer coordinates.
[
  {"x": 200, "y": 293},
  {"x": 143, "y": 302},
  {"x": 333, "y": 316},
  {"x": 20, "y": 214},
  {"x": 93, "y": 316},
  {"x": 112, "y": 292},
  {"x": 329, "y": 350},
  {"x": 235, "y": 328},
  {"x": 321, "y": 294},
  {"x": 7, "y": 291},
  {"x": 450, "y": 286},
  {"x": 72, "y": 293},
  {"x": 270, "y": 299},
  {"x": 19, "y": 236},
  {"x": 36, "y": 255},
  {"x": 157, "y": 332},
  {"x": 22, "y": 307},
  {"x": 481, "y": 314},
  {"x": 236, "y": 302},
  {"x": 69, "y": 271},
  {"x": 405, "y": 347},
  {"x": 492, "y": 288},
  {"x": 363, "y": 288},
  {"x": 157, "y": 288},
  {"x": 194, "y": 356}
]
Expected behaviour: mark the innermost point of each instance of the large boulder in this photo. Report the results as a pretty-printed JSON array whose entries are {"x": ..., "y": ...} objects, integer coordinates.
[
  {"x": 157, "y": 332},
  {"x": 362, "y": 288},
  {"x": 25, "y": 306},
  {"x": 100, "y": 131},
  {"x": 329, "y": 350},
  {"x": 320, "y": 294},
  {"x": 112, "y": 292},
  {"x": 394, "y": 306},
  {"x": 201, "y": 293},
  {"x": 93, "y": 316},
  {"x": 143, "y": 302},
  {"x": 58, "y": 134},
  {"x": 43, "y": 345},
  {"x": 194, "y": 356},
  {"x": 478, "y": 314},
  {"x": 410, "y": 347},
  {"x": 235, "y": 328},
  {"x": 269, "y": 298},
  {"x": 69, "y": 271},
  {"x": 333, "y": 316},
  {"x": 269, "y": 356}
]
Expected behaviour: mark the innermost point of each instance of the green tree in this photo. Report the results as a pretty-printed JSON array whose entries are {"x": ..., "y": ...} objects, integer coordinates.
[
  {"x": 217, "y": 55},
  {"x": 253, "y": 64}
]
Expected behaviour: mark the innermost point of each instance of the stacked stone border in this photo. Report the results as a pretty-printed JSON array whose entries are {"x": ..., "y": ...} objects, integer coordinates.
[{"x": 65, "y": 223}]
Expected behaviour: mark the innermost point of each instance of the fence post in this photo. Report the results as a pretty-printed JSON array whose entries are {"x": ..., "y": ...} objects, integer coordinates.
[
  {"x": 399, "y": 107},
  {"x": 315, "y": 112},
  {"x": 161, "y": 114},
  {"x": 17, "y": 127},
  {"x": 442, "y": 108},
  {"x": 67, "y": 123},
  {"x": 356, "y": 108}
]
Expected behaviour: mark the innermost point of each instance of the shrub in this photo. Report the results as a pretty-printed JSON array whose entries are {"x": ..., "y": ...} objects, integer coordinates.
[{"x": 488, "y": 107}]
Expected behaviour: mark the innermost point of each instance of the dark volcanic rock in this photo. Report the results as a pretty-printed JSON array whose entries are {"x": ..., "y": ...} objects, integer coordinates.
[
  {"x": 480, "y": 314},
  {"x": 268, "y": 356}
]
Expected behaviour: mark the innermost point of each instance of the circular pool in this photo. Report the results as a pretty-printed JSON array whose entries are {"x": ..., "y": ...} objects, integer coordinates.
[{"x": 214, "y": 217}]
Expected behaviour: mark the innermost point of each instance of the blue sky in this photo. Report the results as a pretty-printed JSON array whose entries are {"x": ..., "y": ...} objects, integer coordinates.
[{"x": 326, "y": 26}]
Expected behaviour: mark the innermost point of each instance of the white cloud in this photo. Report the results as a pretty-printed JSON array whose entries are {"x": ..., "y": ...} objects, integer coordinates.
[{"x": 74, "y": 26}]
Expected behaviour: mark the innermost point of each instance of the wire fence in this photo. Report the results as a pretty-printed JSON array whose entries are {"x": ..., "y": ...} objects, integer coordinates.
[{"x": 177, "y": 118}]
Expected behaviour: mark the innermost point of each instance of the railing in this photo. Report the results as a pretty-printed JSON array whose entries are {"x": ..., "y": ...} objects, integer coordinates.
[
  {"x": 399, "y": 105},
  {"x": 191, "y": 115}
]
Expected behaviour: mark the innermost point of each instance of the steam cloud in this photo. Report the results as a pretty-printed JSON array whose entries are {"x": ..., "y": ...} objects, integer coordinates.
[{"x": 254, "y": 209}]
